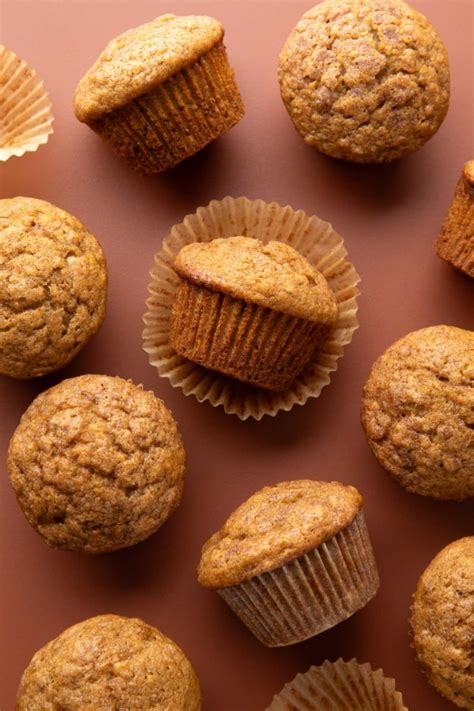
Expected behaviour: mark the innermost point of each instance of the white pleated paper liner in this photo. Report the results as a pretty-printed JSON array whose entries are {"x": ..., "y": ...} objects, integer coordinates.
[
  {"x": 339, "y": 686},
  {"x": 25, "y": 110},
  {"x": 313, "y": 238}
]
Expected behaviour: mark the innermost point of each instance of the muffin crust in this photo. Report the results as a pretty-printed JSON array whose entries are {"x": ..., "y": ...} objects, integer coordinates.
[
  {"x": 97, "y": 464},
  {"x": 53, "y": 287},
  {"x": 109, "y": 663},
  {"x": 272, "y": 275},
  {"x": 418, "y": 412},
  {"x": 275, "y": 525},
  {"x": 365, "y": 80},
  {"x": 442, "y": 622},
  {"x": 142, "y": 58}
]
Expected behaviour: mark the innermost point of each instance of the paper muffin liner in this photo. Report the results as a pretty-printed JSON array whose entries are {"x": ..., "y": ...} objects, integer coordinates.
[
  {"x": 25, "y": 110},
  {"x": 314, "y": 239},
  {"x": 311, "y": 593},
  {"x": 245, "y": 341},
  {"x": 339, "y": 686},
  {"x": 159, "y": 129}
]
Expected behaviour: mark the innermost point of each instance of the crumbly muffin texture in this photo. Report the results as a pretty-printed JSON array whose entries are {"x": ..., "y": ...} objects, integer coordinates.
[
  {"x": 275, "y": 525},
  {"x": 442, "y": 622},
  {"x": 97, "y": 464},
  {"x": 109, "y": 663},
  {"x": 272, "y": 275},
  {"x": 140, "y": 59},
  {"x": 365, "y": 80},
  {"x": 418, "y": 412},
  {"x": 53, "y": 287}
]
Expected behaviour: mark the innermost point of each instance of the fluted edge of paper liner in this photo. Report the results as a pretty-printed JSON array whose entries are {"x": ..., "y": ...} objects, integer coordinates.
[{"x": 313, "y": 238}]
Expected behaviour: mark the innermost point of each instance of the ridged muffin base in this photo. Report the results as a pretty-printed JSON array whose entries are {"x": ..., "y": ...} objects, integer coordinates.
[
  {"x": 309, "y": 594},
  {"x": 158, "y": 130}
]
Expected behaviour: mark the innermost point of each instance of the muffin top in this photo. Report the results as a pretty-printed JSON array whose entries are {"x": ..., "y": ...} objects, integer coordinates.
[
  {"x": 109, "y": 663},
  {"x": 97, "y": 464},
  {"x": 272, "y": 275},
  {"x": 365, "y": 80},
  {"x": 140, "y": 59},
  {"x": 418, "y": 412},
  {"x": 53, "y": 287},
  {"x": 276, "y": 525},
  {"x": 442, "y": 622}
]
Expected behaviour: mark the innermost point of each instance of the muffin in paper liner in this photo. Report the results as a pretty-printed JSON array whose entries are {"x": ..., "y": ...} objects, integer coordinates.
[
  {"x": 339, "y": 686},
  {"x": 25, "y": 110},
  {"x": 314, "y": 239},
  {"x": 311, "y": 593}
]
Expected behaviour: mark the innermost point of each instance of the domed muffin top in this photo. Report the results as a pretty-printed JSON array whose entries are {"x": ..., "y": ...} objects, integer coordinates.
[
  {"x": 276, "y": 525},
  {"x": 418, "y": 411},
  {"x": 272, "y": 275},
  {"x": 140, "y": 59},
  {"x": 442, "y": 621},
  {"x": 109, "y": 662}
]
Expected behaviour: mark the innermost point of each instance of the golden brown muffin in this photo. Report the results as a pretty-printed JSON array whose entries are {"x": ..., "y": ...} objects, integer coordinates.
[
  {"x": 253, "y": 311},
  {"x": 418, "y": 412},
  {"x": 97, "y": 464},
  {"x": 293, "y": 560},
  {"x": 365, "y": 80},
  {"x": 160, "y": 92},
  {"x": 109, "y": 663},
  {"x": 339, "y": 686},
  {"x": 456, "y": 241},
  {"x": 443, "y": 622},
  {"x": 53, "y": 287}
]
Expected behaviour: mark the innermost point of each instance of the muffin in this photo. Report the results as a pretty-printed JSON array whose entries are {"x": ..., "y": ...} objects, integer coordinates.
[
  {"x": 293, "y": 560},
  {"x": 53, "y": 288},
  {"x": 109, "y": 663},
  {"x": 442, "y": 622},
  {"x": 418, "y": 412},
  {"x": 365, "y": 80},
  {"x": 96, "y": 464},
  {"x": 160, "y": 92},
  {"x": 255, "y": 312},
  {"x": 456, "y": 241},
  {"x": 339, "y": 686},
  {"x": 26, "y": 119}
]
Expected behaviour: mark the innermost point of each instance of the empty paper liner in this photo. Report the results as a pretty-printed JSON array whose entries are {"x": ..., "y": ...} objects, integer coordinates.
[
  {"x": 314, "y": 239},
  {"x": 339, "y": 686},
  {"x": 25, "y": 110}
]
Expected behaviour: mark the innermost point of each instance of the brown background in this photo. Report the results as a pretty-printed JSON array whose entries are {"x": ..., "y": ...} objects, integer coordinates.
[{"x": 389, "y": 217}]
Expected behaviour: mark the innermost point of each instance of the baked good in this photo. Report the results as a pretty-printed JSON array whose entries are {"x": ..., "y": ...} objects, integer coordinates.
[
  {"x": 365, "y": 80},
  {"x": 160, "y": 92},
  {"x": 253, "y": 311},
  {"x": 442, "y": 622},
  {"x": 418, "y": 412},
  {"x": 456, "y": 240},
  {"x": 53, "y": 287},
  {"x": 109, "y": 663},
  {"x": 339, "y": 686},
  {"x": 97, "y": 464},
  {"x": 293, "y": 560}
]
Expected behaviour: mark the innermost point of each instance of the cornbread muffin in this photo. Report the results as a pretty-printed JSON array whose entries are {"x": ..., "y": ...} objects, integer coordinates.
[
  {"x": 109, "y": 663},
  {"x": 53, "y": 287},
  {"x": 365, "y": 80},
  {"x": 293, "y": 560},
  {"x": 96, "y": 464},
  {"x": 456, "y": 241},
  {"x": 160, "y": 92},
  {"x": 442, "y": 622},
  {"x": 418, "y": 412},
  {"x": 253, "y": 311},
  {"x": 339, "y": 686}
]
